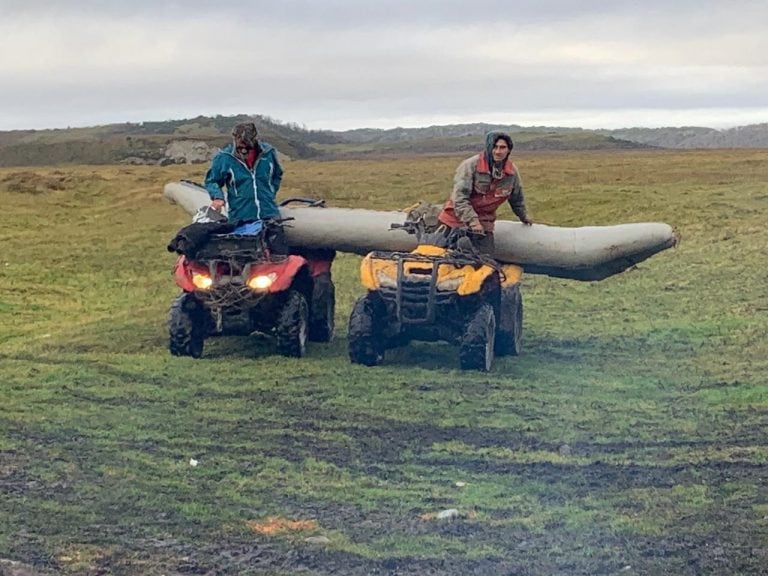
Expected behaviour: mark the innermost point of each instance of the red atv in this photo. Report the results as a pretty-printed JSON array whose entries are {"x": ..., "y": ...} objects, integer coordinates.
[{"x": 233, "y": 284}]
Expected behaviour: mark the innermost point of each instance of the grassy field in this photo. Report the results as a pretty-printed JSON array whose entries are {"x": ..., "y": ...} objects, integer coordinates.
[{"x": 628, "y": 438}]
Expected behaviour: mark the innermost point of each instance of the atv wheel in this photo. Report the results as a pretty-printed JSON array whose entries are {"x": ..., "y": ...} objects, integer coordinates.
[
  {"x": 293, "y": 325},
  {"x": 364, "y": 333},
  {"x": 322, "y": 309},
  {"x": 476, "y": 351},
  {"x": 510, "y": 332},
  {"x": 186, "y": 327}
]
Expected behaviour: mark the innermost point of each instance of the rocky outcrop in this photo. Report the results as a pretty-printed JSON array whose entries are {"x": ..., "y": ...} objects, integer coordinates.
[{"x": 187, "y": 152}]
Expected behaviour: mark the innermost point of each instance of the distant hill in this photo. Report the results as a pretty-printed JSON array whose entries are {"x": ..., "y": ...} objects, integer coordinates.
[
  {"x": 752, "y": 136},
  {"x": 147, "y": 142},
  {"x": 454, "y": 139},
  {"x": 195, "y": 139},
  {"x": 450, "y": 131}
]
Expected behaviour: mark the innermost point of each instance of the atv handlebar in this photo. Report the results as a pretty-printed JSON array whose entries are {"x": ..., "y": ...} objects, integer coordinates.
[
  {"x": 443, "y": 236},
  {"x": 418, "y": 227},
  {"x": 311, "y": 202}
]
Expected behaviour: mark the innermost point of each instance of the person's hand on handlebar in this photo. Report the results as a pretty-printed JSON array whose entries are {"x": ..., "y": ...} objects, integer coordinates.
[{"x": 476, "y": 227}]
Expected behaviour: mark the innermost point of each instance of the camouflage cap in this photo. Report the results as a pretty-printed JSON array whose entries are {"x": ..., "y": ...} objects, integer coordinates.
[{"x": 246, "y": 133}]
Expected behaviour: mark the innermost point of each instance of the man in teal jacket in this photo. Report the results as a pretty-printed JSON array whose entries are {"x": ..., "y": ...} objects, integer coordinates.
[{"x": 251, "y": 173}]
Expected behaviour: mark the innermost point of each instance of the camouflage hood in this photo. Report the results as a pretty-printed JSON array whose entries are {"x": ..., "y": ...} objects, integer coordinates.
[
  {"x": 497, "y": 168},
  {"x": 490, "y": 140}
]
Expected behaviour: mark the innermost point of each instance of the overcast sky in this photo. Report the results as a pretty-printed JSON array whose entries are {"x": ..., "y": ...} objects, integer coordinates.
[{"x": 341, "y": 64}]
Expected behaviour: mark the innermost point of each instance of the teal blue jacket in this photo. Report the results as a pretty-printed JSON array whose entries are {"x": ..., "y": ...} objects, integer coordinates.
[{"x": 250, "y": 193}]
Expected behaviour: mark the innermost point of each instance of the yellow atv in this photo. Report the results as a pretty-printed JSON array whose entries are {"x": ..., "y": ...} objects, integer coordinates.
[{"x": 442, "y": 290}]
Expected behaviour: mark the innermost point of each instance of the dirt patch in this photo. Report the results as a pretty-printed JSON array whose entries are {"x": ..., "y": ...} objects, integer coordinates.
[
  {"x": 276, "y": 525},
  {"x": 34, "y": 183},
  {"x": 12, "y": 568}
]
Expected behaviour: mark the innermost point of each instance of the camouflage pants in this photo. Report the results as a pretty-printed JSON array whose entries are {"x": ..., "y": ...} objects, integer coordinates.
[
  {"x": 483, "y": 243},
  {"x": 275, "y": 237}
]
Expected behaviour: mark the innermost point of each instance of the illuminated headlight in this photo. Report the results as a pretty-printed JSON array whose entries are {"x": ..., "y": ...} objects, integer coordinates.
[
  {"x": 384, "y": 280},
  {"x": 450, "y": 284},
  {"x": 262, "y": 282},
  {"x": 201, "y": 281}
]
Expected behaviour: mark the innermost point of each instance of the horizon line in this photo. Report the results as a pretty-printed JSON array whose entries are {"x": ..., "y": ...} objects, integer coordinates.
[{"x": 304, "y": 127}]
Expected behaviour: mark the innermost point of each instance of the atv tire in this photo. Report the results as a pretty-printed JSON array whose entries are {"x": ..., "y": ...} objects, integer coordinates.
[
  {"x": 293, "y": 326},
  {"x": 186, "y": 327},
  {"x": 510, "y": 329},
  {"x": 365, "y": 344},
  {"x": 322, "y": 309},
  {"x": 477, "y": 342}
]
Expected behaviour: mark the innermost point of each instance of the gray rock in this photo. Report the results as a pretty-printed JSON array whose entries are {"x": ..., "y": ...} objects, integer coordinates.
[
  {"x": 188, "y": 152},
  {"x": 449, "y": 514},
  {"x": 13, "y": 568},
  {"x": 317, "y": 540}
]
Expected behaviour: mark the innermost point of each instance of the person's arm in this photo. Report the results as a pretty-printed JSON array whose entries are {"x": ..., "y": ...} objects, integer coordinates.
[
  {"x": 215, "y": 178},
  {"x": 462, "y": 189},
  {"x": 517, "y": 201}
]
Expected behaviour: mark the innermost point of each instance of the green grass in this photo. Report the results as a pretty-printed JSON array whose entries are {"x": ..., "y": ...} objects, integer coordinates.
[{"x": 629, "y": 437}]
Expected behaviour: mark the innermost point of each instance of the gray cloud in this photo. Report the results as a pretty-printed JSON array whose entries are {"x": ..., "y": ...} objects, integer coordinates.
[{"x": 344, "y": 63}]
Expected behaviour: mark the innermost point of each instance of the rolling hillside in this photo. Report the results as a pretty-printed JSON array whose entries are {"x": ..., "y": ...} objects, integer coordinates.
[
  {"x": 194, "y": 140},
  {"x": 146, "y": 142}
]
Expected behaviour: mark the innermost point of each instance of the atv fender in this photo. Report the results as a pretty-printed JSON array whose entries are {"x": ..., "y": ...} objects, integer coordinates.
[
  {"x": 319, "y": 267},
  {"x": 285, "y": 271},
  {"x": 473, "y": 278},
  {"x": 512, "y": 274},
  {"x": 182, "y": 273},
  {"x": 319, "y": 260}
]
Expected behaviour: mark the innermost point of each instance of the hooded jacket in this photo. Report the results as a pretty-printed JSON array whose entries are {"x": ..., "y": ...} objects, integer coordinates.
[
  {"x": 478, "y": 191},
  {"x": 250, "y": 193}
]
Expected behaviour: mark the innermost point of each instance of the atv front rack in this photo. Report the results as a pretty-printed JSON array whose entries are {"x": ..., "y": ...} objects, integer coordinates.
[
  {"x": 239, "y": 247},
  {"x": 415, "y": 295},
  {"x": 229, "y": 259}
]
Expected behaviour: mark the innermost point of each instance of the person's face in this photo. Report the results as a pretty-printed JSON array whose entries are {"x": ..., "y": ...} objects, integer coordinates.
[
  {"x": 241, "y": 147},
  {"x": 500, "y": 150}
]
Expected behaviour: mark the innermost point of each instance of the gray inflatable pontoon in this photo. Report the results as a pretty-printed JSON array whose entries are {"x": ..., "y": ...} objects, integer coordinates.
[{"x": 583, "y": 253}]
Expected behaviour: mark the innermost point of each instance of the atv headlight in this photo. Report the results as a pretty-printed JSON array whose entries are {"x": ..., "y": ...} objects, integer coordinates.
[
  {"x": 201, "y": 280},
  {"x": 385, "y": 280},
  {"x": 262, "y": 281}
]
